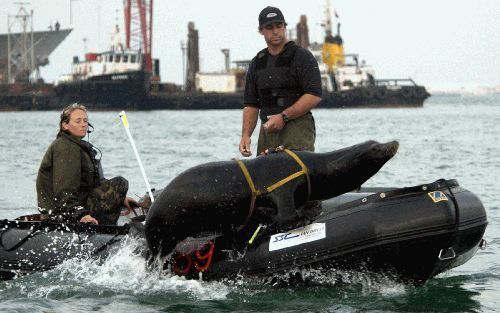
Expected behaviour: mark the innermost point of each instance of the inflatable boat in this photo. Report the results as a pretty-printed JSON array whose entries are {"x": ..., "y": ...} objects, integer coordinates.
[
  {"x": 28, "y": 245},
  {"x": 411, "y": 234}
]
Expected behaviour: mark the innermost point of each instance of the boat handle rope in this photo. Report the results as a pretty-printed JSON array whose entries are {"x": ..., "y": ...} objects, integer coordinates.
[
  {"x": 77, "y": 231},
  {"x": 256, "y": 192},
  {"x": 106, "y": 244},
  {"x": 36, "y": 230},
  {"x": 455, "y": 203},
  {"x": 448, "y": 254},
  {"x": 457, "y": 220}
]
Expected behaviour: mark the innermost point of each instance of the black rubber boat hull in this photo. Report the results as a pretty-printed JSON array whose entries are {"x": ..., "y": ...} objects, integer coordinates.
[
  {"x": 27, "y": 247},
  {"x": 402, "y": 233},
  {"x": 410, "y": 234}
]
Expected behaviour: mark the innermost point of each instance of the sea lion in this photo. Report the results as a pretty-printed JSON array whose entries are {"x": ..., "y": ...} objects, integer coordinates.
[{"x": 216, "y": 197}]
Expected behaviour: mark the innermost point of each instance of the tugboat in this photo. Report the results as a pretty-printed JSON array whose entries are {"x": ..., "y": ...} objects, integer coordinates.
[
  {"x": 347, "y": 83},
  {"x": 109, "y": 79}
]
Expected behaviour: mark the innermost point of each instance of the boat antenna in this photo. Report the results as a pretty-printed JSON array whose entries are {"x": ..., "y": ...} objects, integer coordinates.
[{"x": 123, "y": 117}]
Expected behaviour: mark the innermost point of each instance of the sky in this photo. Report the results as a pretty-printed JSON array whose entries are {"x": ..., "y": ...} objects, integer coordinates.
[{"x": 441, "y": 44}]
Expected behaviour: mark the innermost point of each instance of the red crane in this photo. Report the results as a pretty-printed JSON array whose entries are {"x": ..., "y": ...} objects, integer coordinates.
[{"x": 139, "y": 28}]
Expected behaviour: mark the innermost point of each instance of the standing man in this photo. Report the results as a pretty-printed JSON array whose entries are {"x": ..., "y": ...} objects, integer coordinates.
[{"x": 283, "y": 84}]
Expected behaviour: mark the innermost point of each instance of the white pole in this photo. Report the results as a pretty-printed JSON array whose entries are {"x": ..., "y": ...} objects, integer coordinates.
[{"x": 123, "y": 117}]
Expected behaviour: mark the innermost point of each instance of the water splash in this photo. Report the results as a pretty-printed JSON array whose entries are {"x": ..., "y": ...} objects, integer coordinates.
[
  {"x": 364, "y": 282},
  {"x": 123, "y": 272}
]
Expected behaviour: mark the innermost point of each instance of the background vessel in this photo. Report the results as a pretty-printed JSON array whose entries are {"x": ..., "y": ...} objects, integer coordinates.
[{"x": 127, "y": 76}]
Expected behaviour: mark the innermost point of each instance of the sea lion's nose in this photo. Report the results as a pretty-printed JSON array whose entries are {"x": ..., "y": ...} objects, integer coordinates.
[{"x": 391, "y": 148}]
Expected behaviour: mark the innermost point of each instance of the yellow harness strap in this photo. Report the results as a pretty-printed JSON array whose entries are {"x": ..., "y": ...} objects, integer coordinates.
[
  {"x": 256, "y": 192},
  {"x": 303, "y": 171}
]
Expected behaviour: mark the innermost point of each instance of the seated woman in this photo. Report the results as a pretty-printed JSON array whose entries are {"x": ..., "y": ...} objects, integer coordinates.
[{"x": 70, "y": 185}]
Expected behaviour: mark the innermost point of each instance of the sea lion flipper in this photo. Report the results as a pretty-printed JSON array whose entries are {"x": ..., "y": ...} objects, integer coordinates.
[{"x": 286, "y": 211}]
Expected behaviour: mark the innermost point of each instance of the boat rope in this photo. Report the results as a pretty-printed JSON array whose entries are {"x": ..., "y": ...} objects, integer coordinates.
[
  {"x": 36, "y": 230},
  {"x": 454, "y": 200},
  {"x": 76, "y": 229},
  {"x": 113, "y": 240},
  {"x": 457, "y": 209},
  {"x": 255, "y": 192}
]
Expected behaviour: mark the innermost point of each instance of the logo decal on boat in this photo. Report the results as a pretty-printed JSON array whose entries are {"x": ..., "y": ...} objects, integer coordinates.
[
  {"x": 437, "y": 196},
  {"x": 297, "y": 236}
]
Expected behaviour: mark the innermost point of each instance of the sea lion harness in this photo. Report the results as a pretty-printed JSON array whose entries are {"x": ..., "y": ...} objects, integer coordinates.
[{"x": 255, "y": 192}]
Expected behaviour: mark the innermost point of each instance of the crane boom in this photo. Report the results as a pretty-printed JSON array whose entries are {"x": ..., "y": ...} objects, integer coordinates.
[{"x": 139, "y": 28}]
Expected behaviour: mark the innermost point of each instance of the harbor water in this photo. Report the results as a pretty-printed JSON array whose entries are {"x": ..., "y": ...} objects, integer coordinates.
[{"x": 450, "y": 137}]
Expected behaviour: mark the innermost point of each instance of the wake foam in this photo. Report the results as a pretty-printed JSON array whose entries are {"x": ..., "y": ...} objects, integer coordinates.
[{"x": 123, "y": 271}]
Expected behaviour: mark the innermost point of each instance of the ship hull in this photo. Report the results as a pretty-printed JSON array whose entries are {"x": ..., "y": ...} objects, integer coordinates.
[
  {"x": 132, "y": 93},
  {"x": 376, "y": 97},
  {"x": 121, "y": 90},
  {"x": 359, "y": 97}
]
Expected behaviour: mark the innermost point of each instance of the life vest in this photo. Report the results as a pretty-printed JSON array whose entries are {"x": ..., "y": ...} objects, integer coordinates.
[{"x": 277, "y": 87}]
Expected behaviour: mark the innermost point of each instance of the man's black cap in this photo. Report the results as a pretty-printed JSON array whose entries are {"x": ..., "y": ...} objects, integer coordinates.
[{"x": 270, "y": 15}]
